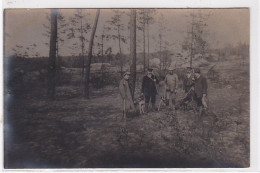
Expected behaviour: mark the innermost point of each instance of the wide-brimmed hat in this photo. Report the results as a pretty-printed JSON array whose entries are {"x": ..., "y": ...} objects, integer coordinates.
[
  {"x": 171, "y": 68},
  {"x": 188, "y": 69},
  {"x": 196, "y": 70},
  {"x": 127, "y": 73},
  {"x": 150, "y": 70}
]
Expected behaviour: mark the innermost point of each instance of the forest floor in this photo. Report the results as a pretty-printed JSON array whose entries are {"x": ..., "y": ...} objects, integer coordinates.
[{"x": 72, "y": 132}]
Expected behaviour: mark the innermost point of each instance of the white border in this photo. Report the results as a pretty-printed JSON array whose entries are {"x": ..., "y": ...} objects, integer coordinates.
[
  {"x": 254, "y": 67},
  {"x": 128, "y": 3}
]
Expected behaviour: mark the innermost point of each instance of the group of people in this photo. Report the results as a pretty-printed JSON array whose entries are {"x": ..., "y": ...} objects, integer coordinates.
[{"x": 194, "y": 86}]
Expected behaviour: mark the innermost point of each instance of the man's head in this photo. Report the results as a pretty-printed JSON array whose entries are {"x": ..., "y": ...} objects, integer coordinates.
[
  {"x": 149, "y": 72},
  {"x": 170, "y": 69},
  {"x": 197, "y": 72},
  {"x": 126, "y": 75},
  {"x": 188, "y": 71}
]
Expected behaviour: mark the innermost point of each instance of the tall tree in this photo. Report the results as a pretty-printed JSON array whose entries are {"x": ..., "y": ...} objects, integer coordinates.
[
  {"x": 61, "y": 30},
  {"x": 88, "y": 63},
  {"x": 165, "y": 56},
  {"x": 192, "y": 38},
  {"x": 101, "y": 50},
  {"x": 52, "y": 56},
  {"x": 149, "y": 18},
  {"x": 118, "y": 26},
  {"x": 100, "y": 43},
  {"x": 79, "y": 29},
  {"x": 162, "y": 31},
  {"x": 133, "y": 50},
  {"x": 142, "y": 21},
  {"x": 161, "y": 40},
  {"x": 195, "y": 40}
]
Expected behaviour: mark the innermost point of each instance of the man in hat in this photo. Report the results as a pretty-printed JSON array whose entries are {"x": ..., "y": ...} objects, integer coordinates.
[
  {"x": 171, "y": 84},
  {"x": 200, "y": 89},
  {"x": 125, "y": 93},
  {"x": 188, "y": 85},
  {"x": 149, "y": 88},
  {"x": 188, "y": 81}
]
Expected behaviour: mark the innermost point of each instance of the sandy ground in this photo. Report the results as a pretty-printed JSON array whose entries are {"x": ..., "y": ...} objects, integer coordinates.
[{"x": 72, "y": 132}]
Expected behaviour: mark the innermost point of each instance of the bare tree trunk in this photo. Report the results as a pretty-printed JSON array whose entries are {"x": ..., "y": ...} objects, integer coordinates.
[
  {"x": 58, "y": 41},
  {"x": 102, "y": 61},
  {"x": 52, "y": 56},
  {"x": 160, "y": 36},
  {"x": 191, "y": 46},
  {"x": 164, "y": 61},
  {"x": 88, "y": 63},
  {"x": 148, "y": 51},
  {"x": 82, "y": 49},
  {"x": 57, "y": 53},
  {"x": 57, "y": 45},
  {"x": 119, "y": 45},
  {"x": 144, "y": 40},
  {"x": 58, "y": 69},
  {"x": 133, "y": 50}
]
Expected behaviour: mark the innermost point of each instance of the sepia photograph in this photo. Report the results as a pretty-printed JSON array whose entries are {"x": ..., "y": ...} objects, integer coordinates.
[{"x": 126, "y": 88}]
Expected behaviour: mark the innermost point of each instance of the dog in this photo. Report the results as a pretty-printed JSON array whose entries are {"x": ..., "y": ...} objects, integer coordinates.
[
  {"x": 162, "y": 101},
  {"x": 140, "y": 103},
  {"x": 182, "y": 105}
]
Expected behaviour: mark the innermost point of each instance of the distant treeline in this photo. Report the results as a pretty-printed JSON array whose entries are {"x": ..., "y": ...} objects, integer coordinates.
[
  {"x": 36, "y": 63},
  {"x": 25, "y": 64},
  {"x": 241, "y": 49},
  {"x": 76, "y": 61}
]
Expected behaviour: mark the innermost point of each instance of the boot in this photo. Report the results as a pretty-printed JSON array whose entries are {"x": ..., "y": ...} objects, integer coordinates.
[
  {"x": 146, "y": 107},
  {"x": 153, "y": 107},
  {"x": 200, "y": 112},
  {"x": 173, "y": 105},
  {"x": 167, "y": 102}
]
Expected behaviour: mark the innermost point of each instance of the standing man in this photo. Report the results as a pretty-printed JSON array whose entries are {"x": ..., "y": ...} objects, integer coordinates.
[
  {"x": 125, "y": 93},
  {"x": 200, "y": 89},
  {"x": 188, "y": 81},
  {"x": 188, "y": 84},
  {"x": 149, "y": 89},
  {"x": 171, "y": 84}
]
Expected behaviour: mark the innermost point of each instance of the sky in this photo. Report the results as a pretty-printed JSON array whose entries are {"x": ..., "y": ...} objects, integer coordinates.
[{"x": 24, "y": 27}]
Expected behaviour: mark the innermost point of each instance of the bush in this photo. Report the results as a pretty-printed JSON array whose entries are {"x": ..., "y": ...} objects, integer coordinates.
[{"x": 99, "y": 81}]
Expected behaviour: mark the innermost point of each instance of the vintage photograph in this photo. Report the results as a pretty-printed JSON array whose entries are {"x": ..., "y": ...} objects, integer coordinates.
[{"x": 127, "y": 88}]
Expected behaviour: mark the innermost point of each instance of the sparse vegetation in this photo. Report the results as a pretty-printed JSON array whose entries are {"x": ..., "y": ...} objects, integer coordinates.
[{"x": 73, "y": 132}]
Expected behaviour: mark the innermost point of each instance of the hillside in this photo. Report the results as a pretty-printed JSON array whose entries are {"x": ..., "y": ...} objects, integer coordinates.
[{"x": 73, "y": 132}]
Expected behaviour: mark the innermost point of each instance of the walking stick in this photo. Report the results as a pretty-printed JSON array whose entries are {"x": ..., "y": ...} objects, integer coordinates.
[
  {"x": 124, "y": 114},
  {"x": 186, "y": 95}
]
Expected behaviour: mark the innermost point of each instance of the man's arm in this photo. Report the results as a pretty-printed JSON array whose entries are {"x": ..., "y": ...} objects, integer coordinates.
[
  {"x": 184, "y": 84},
  {"x": 156, "y": 79},
  {"x": 122, "y": 89},
  {"x": 165, "y": 79},
  {"x": 204, "y": 86},
  {"x": 142, "y": 89},
  {"x": 176, "y": 82}
]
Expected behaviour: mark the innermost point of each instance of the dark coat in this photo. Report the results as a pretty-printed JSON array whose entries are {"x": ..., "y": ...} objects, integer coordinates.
[
  {"x": 187, "y": 83},
  {"x": 149, "y": 85},
  {"x": 125, "y": 93},
  {"x": 200, "y": 86}
]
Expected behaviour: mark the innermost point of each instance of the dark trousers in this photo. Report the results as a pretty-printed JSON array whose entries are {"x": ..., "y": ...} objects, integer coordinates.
[
  {"x": 198, "y": 100},
  {"x": 189, "y": 97},
  {"x": 148, "y": 98}
]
